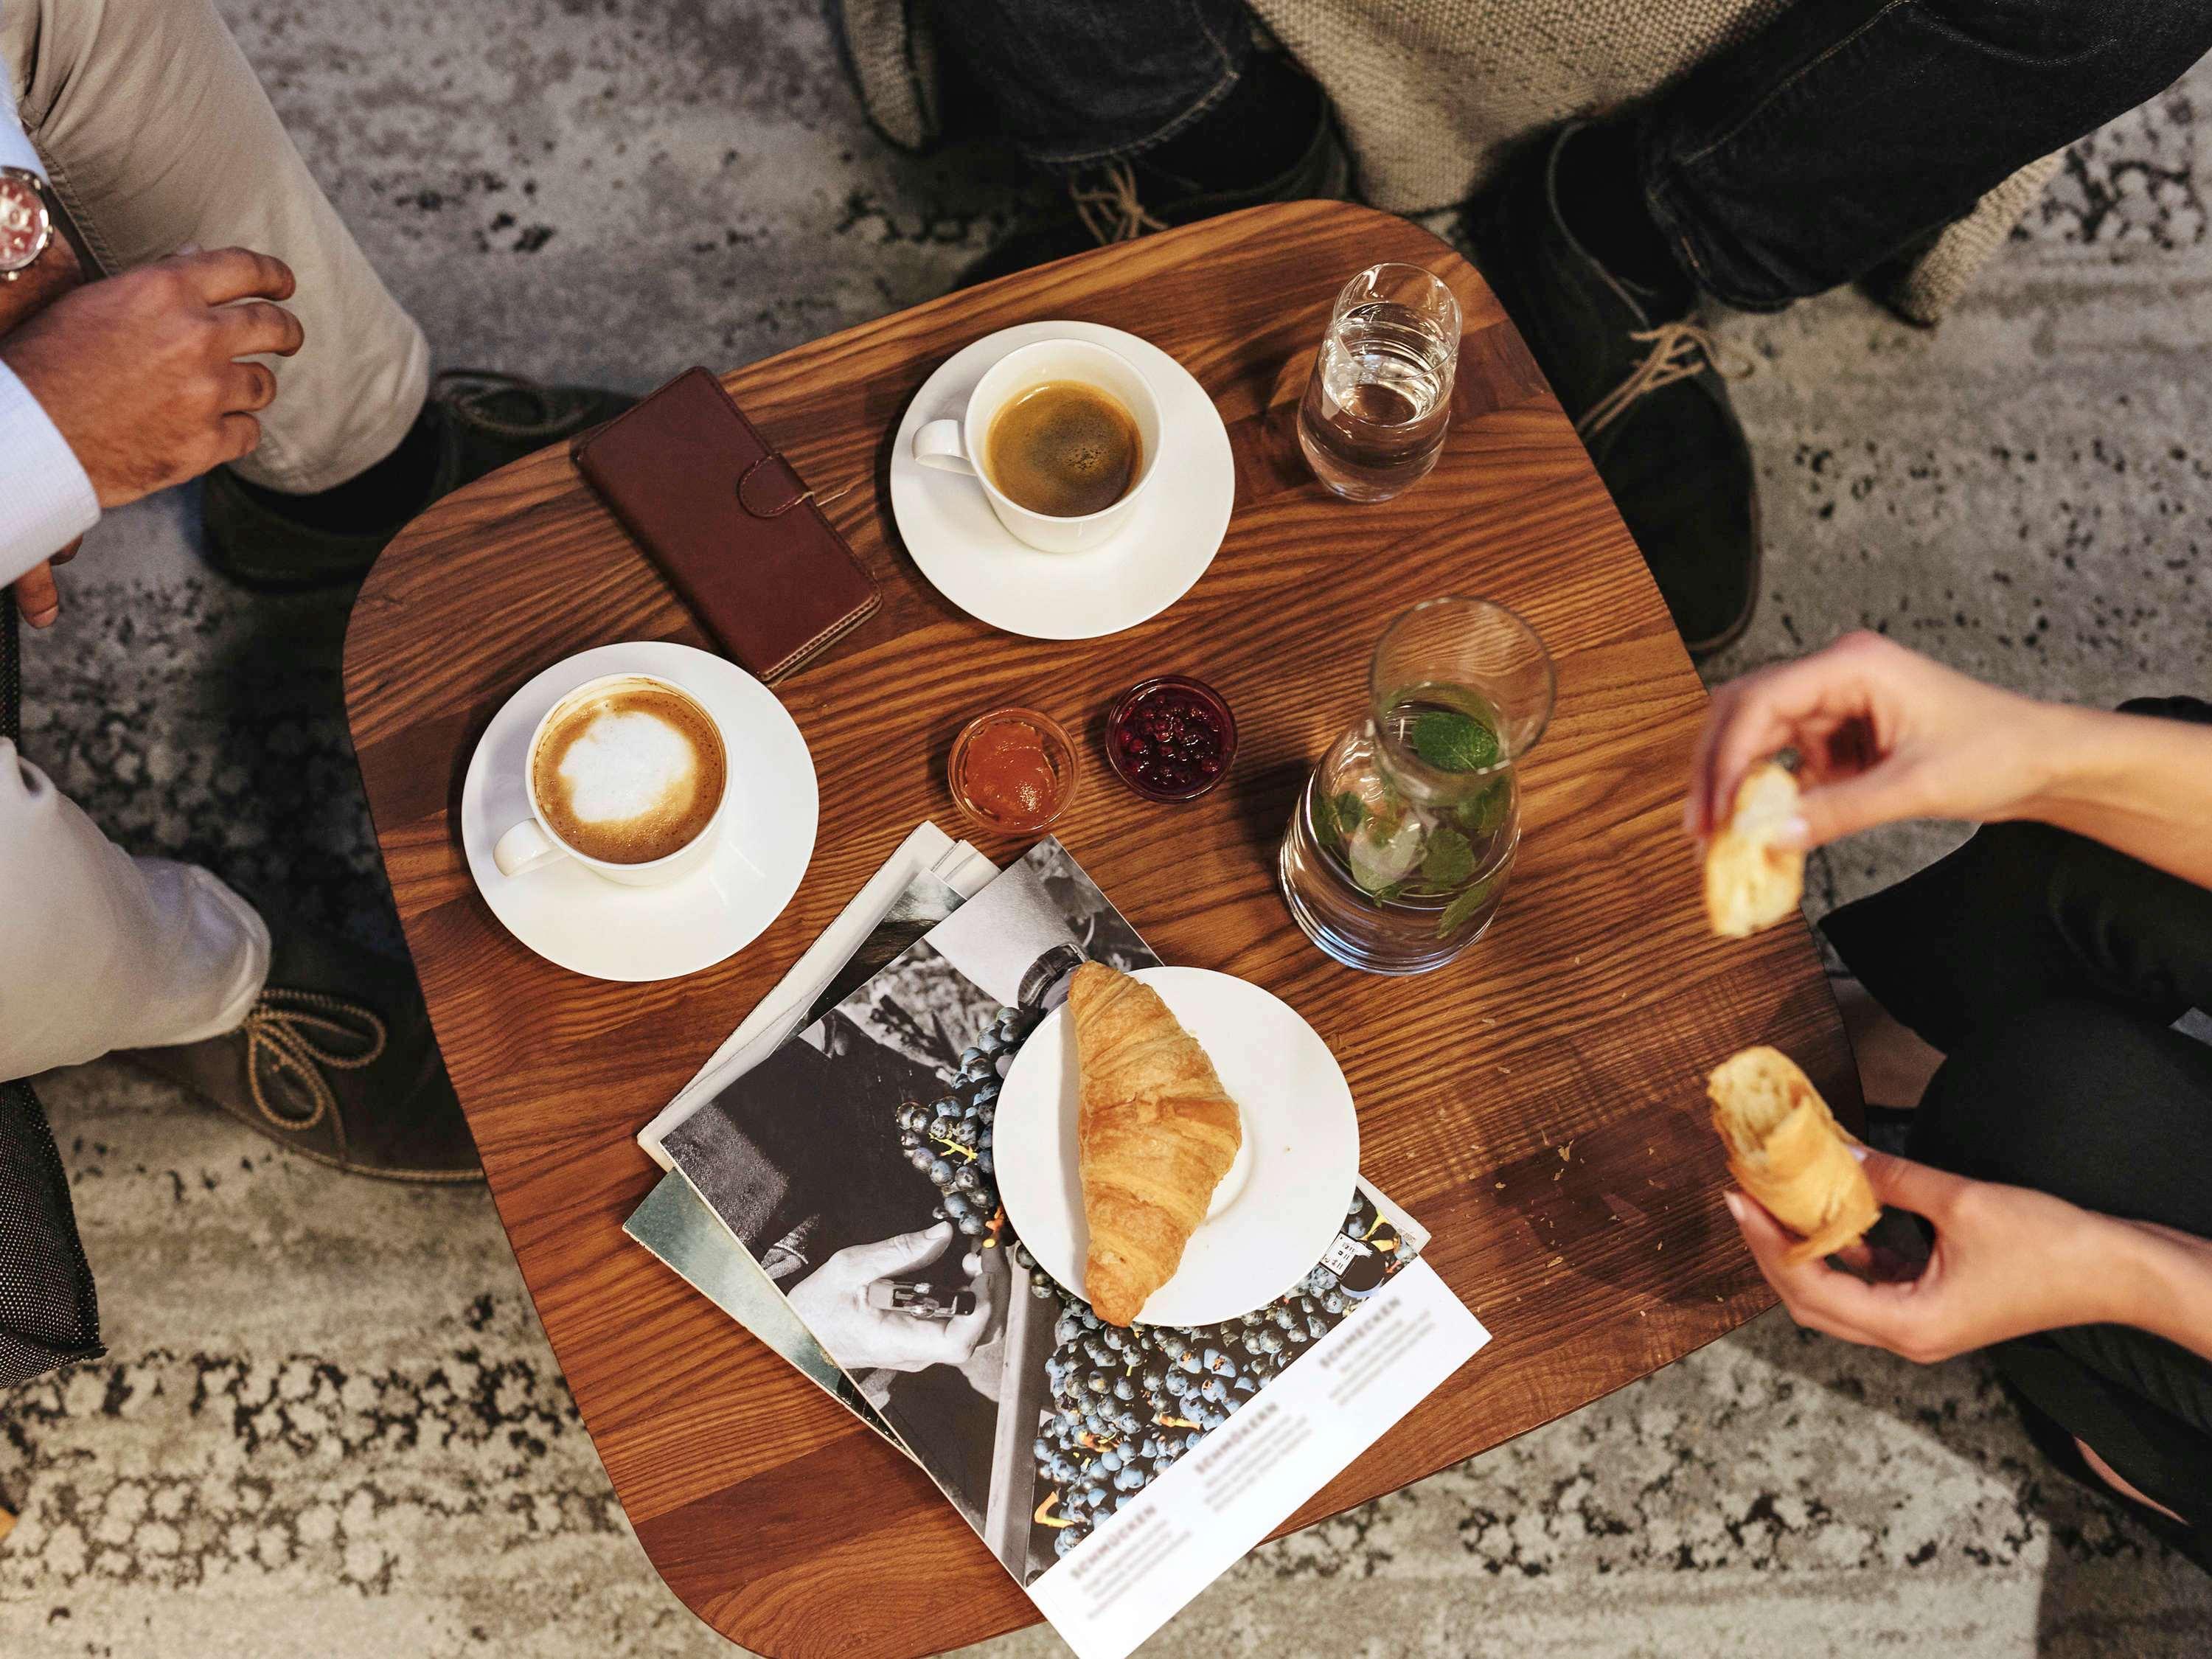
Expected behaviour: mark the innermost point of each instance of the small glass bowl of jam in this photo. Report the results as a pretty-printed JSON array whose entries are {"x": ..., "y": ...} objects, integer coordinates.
[
  {"x": 1012, "y": 770},
  {"x": 1170, "y": 737}
]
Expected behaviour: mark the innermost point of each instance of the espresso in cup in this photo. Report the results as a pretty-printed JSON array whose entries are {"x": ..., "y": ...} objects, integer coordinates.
[
  {"x": 1067, "y": 448},
  {"x": 631, "y": 773},
  {"x": 1062, "y": 434}
]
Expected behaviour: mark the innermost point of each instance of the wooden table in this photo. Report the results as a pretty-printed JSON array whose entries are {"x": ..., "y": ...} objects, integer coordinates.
[{"x": 1539, "y": 1105}]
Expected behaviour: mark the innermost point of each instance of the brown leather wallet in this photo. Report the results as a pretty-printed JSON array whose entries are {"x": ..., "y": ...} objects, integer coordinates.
[{"x": 729, "y": 522}]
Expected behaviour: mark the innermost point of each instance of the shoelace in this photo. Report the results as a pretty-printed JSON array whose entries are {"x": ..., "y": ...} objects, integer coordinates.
[
  {"x": 478, "y": 393},
  {"x": 285, "y": 1032},
  {"x": 1111, "y": 209},
  {"x": 1678, "y": 349}
]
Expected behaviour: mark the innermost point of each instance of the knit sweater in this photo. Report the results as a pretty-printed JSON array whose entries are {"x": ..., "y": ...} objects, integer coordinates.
[{"x": 1431, "y": 93}]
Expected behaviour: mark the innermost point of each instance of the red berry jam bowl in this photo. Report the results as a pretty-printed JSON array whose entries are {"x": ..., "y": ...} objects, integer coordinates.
[
  {"x": 1170, "y": 738},
  {"x": 1012, "y": 770}
]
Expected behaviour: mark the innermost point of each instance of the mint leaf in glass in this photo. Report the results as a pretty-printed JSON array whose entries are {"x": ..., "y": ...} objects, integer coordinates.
[
  {"x": 1461, "y": 910},
  {"x": 1449, "y": 860},
  {"x": 1351, "y": 811},
  {"x": 1451, "y": 741},
  {"x": 1484, "y": 812},
  {"x": 1326, "y": 826}
]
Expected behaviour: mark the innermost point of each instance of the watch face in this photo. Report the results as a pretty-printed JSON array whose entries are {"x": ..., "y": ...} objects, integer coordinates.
[{"x": 23, "y": 226}]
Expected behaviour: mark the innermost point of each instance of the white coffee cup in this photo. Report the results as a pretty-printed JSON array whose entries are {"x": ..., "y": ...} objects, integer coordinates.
[
  {"x": 957, "y": 446},
  {"x": 534, "y": 841}
]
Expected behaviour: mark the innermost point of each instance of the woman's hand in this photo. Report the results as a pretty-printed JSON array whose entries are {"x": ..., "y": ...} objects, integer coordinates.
[
  {"x": 2007, "y": 1261},
  {"x": 1881, "y": 733}
]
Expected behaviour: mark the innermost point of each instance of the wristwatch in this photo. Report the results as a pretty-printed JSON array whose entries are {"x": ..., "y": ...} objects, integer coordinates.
[{"x": 26, "y": 222}]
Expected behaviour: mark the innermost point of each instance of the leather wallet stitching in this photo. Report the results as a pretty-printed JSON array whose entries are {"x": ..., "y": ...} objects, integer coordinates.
[{"x": 827, "y": 637}]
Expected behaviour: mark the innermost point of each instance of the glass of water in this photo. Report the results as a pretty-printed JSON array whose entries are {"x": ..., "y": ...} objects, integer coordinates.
[
  {"x": 1402, "y": 840},
  {"x": 1373, "y": 419}
]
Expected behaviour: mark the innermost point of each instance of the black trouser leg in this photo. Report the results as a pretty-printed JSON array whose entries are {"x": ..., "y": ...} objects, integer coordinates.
[
  {"x": 2020, "y": 915},
  {"x": 2050, "y": 969},
  {"x": 2106, "y": 1109},
  {"x": 1848, "y": 129}
]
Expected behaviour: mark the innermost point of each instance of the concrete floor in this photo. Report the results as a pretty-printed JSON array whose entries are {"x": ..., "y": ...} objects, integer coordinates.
[{"x": 329, "y": 1425}]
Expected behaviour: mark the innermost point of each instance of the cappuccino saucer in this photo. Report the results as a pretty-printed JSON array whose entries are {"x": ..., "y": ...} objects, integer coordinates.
[
  {"x": 1151, "y": 562},
  {"x": 592, "y": 926}
]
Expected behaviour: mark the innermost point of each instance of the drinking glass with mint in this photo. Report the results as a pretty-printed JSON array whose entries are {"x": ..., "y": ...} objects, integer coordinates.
[{"x": 1402, "y": 840}]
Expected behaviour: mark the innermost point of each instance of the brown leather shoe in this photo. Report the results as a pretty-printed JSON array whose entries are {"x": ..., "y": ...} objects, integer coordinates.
[{"x": 336, "y": 1062}]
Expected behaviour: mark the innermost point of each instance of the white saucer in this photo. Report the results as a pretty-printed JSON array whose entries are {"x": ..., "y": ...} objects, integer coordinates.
[
  {"x": 1276, "y": 1210},
  {"x": 976, "y": 562},
  {"x": 592, "y": 926}
]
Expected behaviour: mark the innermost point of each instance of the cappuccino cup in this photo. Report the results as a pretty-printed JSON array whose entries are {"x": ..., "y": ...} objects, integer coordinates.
[
  {"x": 1039, "y": 429},
  {"x": 627, "y": 776}
]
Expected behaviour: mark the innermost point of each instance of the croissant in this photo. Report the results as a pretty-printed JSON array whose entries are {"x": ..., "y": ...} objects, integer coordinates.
[
  {"x": 1750, "y": 883},
  {"x": 1155, "y": 1132},
  {"x": 1786, "y": 1148}
]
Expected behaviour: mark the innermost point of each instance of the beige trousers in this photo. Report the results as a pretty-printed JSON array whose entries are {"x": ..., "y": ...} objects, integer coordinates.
[
  {"x": 100, "y": 951},
  {"x": 155, "y": 133}
]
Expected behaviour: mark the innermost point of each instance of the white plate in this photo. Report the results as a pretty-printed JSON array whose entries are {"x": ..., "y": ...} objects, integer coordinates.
[
  {"x": 592, "y": 926},
  {"x": 976, "y": 562},
  {"x": 1276, "y": 1210}
]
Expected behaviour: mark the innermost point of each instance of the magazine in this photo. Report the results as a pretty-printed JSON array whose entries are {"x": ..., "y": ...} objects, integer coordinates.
[
  {"x": 675, "y": 1225},
  {"x": 900, "y": 903},
  {"x": 683, "y": 1233},
  {"x": 1113, "y": 1471}
]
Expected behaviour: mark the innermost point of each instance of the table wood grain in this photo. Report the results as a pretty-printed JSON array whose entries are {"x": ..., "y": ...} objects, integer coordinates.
[{"x": 1539, "y": 1105}]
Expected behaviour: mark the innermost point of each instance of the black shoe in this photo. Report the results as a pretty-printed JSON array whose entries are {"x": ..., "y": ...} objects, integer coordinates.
[
  {"x": 479, "y": 420},
  {"x": 335, "y": 1062},
  {"x": 1128, "y": 199},
  {"x": 1646, "y": 391}
]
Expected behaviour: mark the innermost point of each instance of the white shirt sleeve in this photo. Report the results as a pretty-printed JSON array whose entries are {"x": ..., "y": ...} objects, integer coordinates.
[
  {"x": 15, "y": 150},
  {"x": 46, "y": 501}
]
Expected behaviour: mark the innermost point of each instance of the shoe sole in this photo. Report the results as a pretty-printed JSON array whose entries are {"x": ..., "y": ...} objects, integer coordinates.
[
  {"x": 1736, "y": 629},
  {"x": 411, "y": 1177}
]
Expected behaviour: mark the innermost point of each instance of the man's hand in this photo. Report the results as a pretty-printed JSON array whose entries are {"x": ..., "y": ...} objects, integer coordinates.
[
  {"x": 140, "y": 372},
  {"x": 38, "y": 601},
  {"x": 833, "y": 1301},
  {"x": 2007, "y": 1261}
]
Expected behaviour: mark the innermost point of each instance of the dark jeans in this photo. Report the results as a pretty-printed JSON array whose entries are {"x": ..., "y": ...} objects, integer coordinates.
[
  {"x": 1844, "y": 133},
  {"x": 1081, "y": 81},
  {"x": 2050, "y": 969},
  {"x": 1848, "y": 130}
]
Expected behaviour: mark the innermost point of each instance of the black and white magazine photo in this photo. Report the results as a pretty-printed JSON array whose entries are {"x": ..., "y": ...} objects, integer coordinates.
[{"x": 855, "y": 1164}]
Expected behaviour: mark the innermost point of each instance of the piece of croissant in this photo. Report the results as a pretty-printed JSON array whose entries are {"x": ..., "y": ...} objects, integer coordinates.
[
  {"x": 1750, "y": 883},
  {"x": 1156, "y": 1132},
  {"x": 1786, "y": 1148}
]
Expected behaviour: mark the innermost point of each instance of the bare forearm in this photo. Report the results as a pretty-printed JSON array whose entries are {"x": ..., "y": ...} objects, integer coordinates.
[
  {"x": 2139, "y": 784},
  {"x": 2163, "y": 1280}
]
